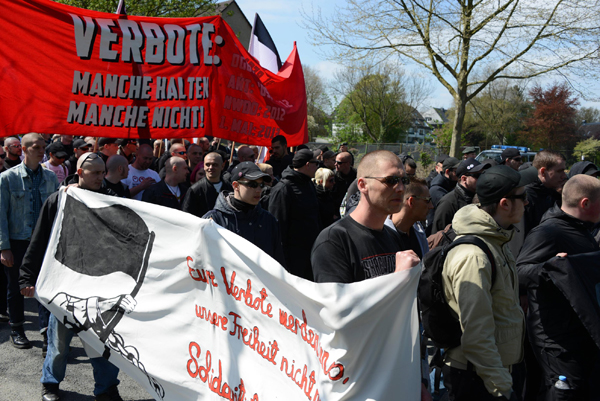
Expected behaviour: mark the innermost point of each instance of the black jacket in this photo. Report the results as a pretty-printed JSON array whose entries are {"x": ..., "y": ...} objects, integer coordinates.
[
  {"x": 294, "y": 204},
  {"x": 32, "y": 261},
  {"x": 342, "y": 183},
  {"x": 540, "y": 200},
  {"x": 257, "y": 226},
  {"x": 551, "y": 321},
  {"x": 160, "y": 194},
  {"x": 202, "y": 196},
  {"x": 440, "y": 186},
  {"x": 279, "y": 165},
  {"x": 329, "y": 211},
  {"x": 448, "y": 206}
]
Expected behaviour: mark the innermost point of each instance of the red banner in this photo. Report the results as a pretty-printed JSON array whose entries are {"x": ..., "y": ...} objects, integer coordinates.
[{"x": 80, "y": 72}]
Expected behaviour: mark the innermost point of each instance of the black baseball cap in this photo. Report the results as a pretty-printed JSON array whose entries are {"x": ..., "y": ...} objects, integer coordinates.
[
  {"x": 328, "y": 154},
  {"x": 469, "y": 149},
  {"x": 58, "y": 150},
  {"x": 509, "y": 154},
  {"x": 450, "y": 163},
  {"x": 304, "y": 156},
  {"x": 106, "y": 141},
  {"x": 80, "y": 143},
  {"x": 249, "y": 171},
  {"x": 125, "y": 141},
  {"x": 470, "y": 166},
  {"x": 441, "y": 158},
  {"x": 498, "y": 181}
]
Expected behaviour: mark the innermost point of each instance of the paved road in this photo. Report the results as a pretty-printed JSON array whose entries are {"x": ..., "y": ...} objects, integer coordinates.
[{"x": 20, "y": 370}]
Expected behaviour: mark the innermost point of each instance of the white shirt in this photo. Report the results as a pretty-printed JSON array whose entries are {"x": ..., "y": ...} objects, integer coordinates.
[{"x": 136, "y": 176}]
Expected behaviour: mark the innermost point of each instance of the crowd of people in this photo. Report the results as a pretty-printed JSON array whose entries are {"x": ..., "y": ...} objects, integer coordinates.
[{"x": 325, "y": 219}]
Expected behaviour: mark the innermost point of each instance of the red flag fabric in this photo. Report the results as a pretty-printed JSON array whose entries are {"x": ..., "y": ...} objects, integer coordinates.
[{"x": 72, "y": 71}]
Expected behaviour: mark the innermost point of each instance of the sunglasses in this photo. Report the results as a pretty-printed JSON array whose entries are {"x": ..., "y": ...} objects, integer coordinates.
[
  {"x": 427, "y": 200},
  {"x": 523, "y": 196},
  {"x": 392, "y": 180},
  {"x": 337, "y": 162},
  {"x": 181, "y": 153},
  {"x": 252, "y": 184},
  {"x": 3, "y": 156},
  {"x": 88, "y": 157}
]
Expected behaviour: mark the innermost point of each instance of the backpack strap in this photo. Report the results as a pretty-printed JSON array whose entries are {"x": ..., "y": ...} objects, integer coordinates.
[{"x": 474, "y": 240}]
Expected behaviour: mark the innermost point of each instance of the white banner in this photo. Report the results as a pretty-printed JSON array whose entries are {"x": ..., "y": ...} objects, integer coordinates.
[{"x": 194, "y": 312}]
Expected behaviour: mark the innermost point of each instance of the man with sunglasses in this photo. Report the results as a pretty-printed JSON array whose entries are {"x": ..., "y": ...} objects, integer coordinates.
[
  {"x": 360, "y": 246},
  {"x": 2, "y": 158},
  {"x": 345, "y": 174},
  {"x": 240, "y": 212},
  {"x": 12, "y": 147},
  {"x": 293, "y": 202},
  {"x": 512, "y": 158},
  {"x": 468, "y": 172},
  {"x": 23, "y": 189},
  {"x": 486, "y": 300}
]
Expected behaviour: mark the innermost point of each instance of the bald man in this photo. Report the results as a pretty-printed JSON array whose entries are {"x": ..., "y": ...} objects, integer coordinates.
[
  {"x": 12, "y": 147},
  {"x": 23, "y": 189},
  {"x": 140, "y": 175},
  {"x": 360, "y": 246},
  {"x": 117, "y": 169},
  {"x": 91, "y": 171},
  {"x": 345, "y": 174},
  {"x": 560, "y": 342},
  {"x": 171, "y": 191}
]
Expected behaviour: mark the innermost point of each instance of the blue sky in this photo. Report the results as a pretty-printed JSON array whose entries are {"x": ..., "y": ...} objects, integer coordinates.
[{"x": 284, "y": 21}]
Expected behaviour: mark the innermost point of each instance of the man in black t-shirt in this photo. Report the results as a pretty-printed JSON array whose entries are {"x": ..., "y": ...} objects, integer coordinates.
[
  {"x": 117, "y": 169},
  {"x": 360, "y": 246}
]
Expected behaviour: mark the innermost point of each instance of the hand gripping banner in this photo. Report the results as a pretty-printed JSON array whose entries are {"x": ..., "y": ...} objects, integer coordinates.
[
  {"x": 192, "y": 311},
  {"x": 73, "y": 71}
]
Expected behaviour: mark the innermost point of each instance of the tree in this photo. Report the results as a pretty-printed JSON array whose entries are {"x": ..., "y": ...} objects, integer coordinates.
[
  {"x": 378, "y": 97},
  {"x": 317, "y": 102},
  {"x": 500, "y": 111},
  {"x": 588, "y": 149},
  {"x": 150, "y": 8},
  {"x": 587, "y": 114},
  {"x": 552, "y": 122},
  {"x": 465, "y": 44}
]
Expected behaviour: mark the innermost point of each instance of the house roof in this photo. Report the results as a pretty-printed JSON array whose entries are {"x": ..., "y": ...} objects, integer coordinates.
[{"x": 591, "y": 130}]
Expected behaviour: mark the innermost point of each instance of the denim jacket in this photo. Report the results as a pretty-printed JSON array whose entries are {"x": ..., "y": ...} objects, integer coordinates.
[{"x": 16, "y": 214}]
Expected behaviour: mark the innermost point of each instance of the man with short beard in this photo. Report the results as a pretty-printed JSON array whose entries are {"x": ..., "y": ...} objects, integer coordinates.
[
  {"x": 345, "y": 174},
  {"x": 202, "y": 196},
  {"x": 12, "y": 147}
]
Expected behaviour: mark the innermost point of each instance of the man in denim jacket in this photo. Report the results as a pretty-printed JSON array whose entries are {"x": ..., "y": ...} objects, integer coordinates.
[{"x": 23, "y": 190}]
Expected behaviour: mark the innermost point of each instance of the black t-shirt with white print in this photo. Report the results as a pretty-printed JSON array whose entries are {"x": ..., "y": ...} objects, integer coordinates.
[{"x": 347, "y": 251}]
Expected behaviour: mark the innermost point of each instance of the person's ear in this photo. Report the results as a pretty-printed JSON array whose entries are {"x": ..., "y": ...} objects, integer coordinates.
[
  {"x": 361, "y": 184},
  {"x": 543, "y": 171}
]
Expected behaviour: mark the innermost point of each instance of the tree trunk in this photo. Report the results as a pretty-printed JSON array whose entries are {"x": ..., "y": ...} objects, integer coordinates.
[{"x": 459, "y": 118}]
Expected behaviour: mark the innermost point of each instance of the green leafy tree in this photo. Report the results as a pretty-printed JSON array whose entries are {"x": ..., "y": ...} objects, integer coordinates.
[
  {"x": 381, "y": 97},
  {"x": 588, "y": 149},
  {"x": 150, "y": 8}
]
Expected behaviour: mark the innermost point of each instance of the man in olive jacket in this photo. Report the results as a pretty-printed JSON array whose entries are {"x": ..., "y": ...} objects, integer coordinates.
[{"x": 486, "y": 303}]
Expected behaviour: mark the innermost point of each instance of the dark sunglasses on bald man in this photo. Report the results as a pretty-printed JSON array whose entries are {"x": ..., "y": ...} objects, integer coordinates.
[{"x": 392, "y": 180}]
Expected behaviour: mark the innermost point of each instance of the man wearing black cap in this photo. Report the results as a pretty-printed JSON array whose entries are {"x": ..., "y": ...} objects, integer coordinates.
[
  {"x": 512, "y": 158},
  {"x": 441, "y": 185},
  {"x": 328, "y": 160},
  {"x": 108, "y": 147},
  {"x": 127, "y": 148},
  {"x": 469, "y": 153},
  {"x": 58, "y": 155},
  {"x": 468, "y": 172},
  {"x": 294, "y": 203},
  {"x": 240, "y": 211},
  {"x": 486, "y": 301},
  {"x": 79, "y": 147}
]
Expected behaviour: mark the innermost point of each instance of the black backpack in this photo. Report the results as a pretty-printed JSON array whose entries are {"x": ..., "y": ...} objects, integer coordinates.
[{"x": 439, "y": 323}]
